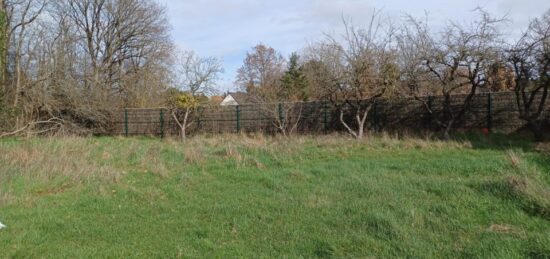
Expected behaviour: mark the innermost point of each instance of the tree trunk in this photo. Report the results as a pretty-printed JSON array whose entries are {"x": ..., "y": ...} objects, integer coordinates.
[
  {"x": 184, "y": 124},
  {"x": 360, "y": 132},
  {"x": 17, "y": 80},
  {"x": 346, "y": 125},
  {"x": 360, "y": 119},
  {"x": 284, "y": 132},
  {"x": 447, "y": 132},
  {"x": 361, "y": 122},
  {"x": 360, "y": 127},
  {"x": 18, "y": 67},
  {"x": 4, "y": 42},
  {"x": 183, "y": 136},
  {"x": 281, "y": 126}
]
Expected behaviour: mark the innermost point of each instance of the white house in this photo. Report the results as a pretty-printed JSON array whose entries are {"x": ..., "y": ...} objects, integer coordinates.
[{"x": 238, "y": 98}]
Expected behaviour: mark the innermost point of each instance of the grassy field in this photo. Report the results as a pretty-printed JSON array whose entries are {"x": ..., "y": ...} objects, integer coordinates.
[{"x": 238, "y": 196}]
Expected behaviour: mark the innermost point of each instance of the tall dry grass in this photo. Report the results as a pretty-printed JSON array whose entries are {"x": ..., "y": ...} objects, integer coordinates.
[
  {"x": 55, "y": 164},
  {"x": 82, "y": 159},
  {"x": 49, "y": 166},
  {"x": 527, "y": 186},
  {"x": 48, "y": 159}
]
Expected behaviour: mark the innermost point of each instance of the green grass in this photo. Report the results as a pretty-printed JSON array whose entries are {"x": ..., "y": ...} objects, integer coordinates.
[{"x": 237, "y": 196}]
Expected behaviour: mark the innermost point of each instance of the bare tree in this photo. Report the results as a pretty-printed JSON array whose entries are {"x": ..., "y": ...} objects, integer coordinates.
[
  {"x": 412, "y": 43},
  {"x": 4, "y": 43},
  {"x": 116, "y": 32},
  {"x": 262, "y": 70},
  {"x": 356, "y": 73},
  {"x": 194, "y": 76},
  {"x": 287, "y": 112},
  {"x": 530, "y": 59},
  {"x": 17, "y": 18},
  {"x": 459, "y": 60},
  {"x": 78, "y": 59},
  {"x": 28, "y": 14},
  {"x": 284, "y": 116},
  {"x": 264, "y": 77}
]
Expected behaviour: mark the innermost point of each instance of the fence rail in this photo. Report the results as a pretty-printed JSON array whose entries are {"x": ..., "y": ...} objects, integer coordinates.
[{"x": 497, "y": 112}]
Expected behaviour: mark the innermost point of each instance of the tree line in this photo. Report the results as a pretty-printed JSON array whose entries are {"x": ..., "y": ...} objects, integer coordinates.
[
  {"x": 66, "y": 65},
  {"x": 381, "y": 61}
]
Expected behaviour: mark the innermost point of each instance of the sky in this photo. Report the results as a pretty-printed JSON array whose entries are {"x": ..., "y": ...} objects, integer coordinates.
[{"x": 228, "y": 29}]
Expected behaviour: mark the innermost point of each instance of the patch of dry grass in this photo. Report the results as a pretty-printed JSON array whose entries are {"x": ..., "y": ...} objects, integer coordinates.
[
  {"x": 515, "y": 159},
  {"x": 80, "y": 159},
  {"x": 506, "y": 229},
  {"x": 543, "y": 147},
  {"x": 528, "y": 186},
  {"x": 49, "y": 159},
  {"x": 50, "y": 166},
  {"x": 532, "y": 193},
  {"x": 389, "y": 141}
]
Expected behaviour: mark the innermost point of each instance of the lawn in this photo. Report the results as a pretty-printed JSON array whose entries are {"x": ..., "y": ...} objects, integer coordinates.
[{"x": 239, "y": 196}]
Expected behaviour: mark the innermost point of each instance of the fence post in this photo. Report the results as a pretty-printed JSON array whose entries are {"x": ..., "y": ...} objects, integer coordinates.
[
  {"x": 375, "y": 115},
  {"x": 161, "y": 123},
  {"x": 126, "y": 122},
  {"x": 325, "y": 116},
  {"x": 430, "y": 107},
  {"x": 238, "y": 118},
  {"x": 199, "y": 118},
  {"x": 489, "y": 112}
]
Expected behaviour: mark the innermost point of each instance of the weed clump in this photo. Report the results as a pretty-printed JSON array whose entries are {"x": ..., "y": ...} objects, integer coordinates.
[
  {"x": 524, "y": 187},
  {"x": 533, "y": 196}
]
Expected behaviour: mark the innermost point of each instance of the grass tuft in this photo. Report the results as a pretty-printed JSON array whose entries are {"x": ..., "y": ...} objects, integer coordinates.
[
  {"x": 531, "y": 194},
  {"x": 515, "y": 159}
]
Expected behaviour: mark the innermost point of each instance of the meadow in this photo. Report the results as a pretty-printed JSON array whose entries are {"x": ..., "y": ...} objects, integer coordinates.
[{"x": 259, "y": 196}]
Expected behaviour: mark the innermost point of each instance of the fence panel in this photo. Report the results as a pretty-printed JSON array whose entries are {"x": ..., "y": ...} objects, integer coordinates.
[{"x": 495, "y": 111}]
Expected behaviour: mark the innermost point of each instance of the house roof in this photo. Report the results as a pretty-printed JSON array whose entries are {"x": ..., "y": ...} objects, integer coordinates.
[
  {"x": 216, "y": 100},
  {"x": 242, "y": 98}
]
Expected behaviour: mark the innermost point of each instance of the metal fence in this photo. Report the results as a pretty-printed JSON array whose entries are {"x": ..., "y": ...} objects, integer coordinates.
[{"x": 497, "y": 112}]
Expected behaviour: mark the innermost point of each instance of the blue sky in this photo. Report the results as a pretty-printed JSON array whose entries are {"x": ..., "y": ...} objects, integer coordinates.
[{"x": 227, "y": 29}]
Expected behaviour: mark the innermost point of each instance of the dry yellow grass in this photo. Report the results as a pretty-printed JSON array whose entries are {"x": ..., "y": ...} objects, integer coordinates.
[
  {"x": 71, "y": 161},
  {"x": 48, "y": 159},
  {"x": 77, "y": 160}
]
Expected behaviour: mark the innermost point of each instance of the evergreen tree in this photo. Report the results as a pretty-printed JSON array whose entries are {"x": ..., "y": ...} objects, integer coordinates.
[{"x": 294, "y": 84}]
